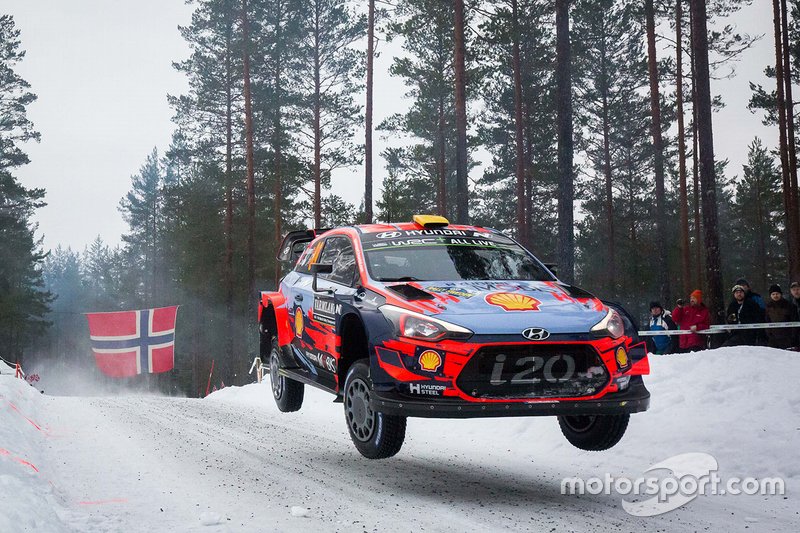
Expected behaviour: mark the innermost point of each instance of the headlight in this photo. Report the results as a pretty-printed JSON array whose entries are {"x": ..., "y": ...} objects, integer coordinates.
[
  {"x": 418, "y": 326},
  {"x": 612, "y": 325}
]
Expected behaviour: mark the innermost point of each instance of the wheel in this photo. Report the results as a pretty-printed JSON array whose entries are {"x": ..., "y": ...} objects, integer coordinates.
[
  {"x": 594, "y": 432},
  {"x": 376, "y": 435},
  {"x": 288, "y": 393}
]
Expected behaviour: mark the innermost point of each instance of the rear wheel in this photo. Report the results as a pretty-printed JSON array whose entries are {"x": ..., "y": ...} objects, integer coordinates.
[
  {"x": 375, "y": 435},
  {"x": 288, "y": 393},
  {"x": 594, "y": 432}
]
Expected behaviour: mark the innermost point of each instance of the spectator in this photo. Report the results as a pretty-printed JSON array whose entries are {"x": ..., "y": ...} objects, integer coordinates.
[
  {"x": 660, "y": 320},
  {"x": 780, "y": 310},
  {"x": 750, "y": 295},
  {"x": 742, "y": 310},
  {"x": 695, "y": 317},
  {"x": 794, "y": 288}
]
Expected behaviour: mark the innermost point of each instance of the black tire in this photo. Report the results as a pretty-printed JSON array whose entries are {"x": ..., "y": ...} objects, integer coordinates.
[
  {"x": 594, "y": 433},
  {"x": 375, "y": 435},
  {"x": 288, "y": 393}
]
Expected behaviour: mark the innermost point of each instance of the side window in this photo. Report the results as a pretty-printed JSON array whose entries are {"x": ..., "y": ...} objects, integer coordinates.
[
  {"x": 339, "y": 252},
  {"x": 311, "y": 255}
]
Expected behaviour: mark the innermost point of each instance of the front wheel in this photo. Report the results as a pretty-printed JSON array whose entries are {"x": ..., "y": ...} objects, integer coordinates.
[
  {"x": 288, "y": 393},
  {"x": 594, "y": 432},
  {"x": 375, "y": 435}
]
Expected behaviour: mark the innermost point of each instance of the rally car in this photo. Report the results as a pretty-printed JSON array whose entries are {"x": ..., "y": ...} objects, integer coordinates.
[{"x": 430, "y": 319}]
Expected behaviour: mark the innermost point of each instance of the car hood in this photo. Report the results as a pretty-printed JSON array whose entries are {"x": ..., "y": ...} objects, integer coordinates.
[{"x": 504, "y": 307}]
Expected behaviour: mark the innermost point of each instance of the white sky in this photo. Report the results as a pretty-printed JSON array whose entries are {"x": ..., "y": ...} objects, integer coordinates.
[{"x": 102, "y": 70}]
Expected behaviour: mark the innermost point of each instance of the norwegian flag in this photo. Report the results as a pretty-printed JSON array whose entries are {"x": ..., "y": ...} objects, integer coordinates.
[{"x": 128, "y": 343}]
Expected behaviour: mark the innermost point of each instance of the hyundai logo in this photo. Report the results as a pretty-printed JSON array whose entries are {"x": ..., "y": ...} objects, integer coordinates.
[
  {"x": 389, "y": 235},
  {"x": 535, "y": 334}
]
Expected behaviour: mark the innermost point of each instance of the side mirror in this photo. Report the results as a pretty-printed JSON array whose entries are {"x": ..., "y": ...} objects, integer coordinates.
[{"x": 319, "y": 268}]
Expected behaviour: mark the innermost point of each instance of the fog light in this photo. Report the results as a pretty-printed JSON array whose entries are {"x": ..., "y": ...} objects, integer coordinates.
[
  {"x": 622, "y": 357},
  {"x": 623, "y": 382}
]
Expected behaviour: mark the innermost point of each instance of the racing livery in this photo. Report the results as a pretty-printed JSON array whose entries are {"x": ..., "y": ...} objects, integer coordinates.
[{"x": 430, "y": 319}]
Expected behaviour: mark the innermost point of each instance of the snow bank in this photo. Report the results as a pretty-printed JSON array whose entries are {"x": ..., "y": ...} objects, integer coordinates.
[{"x": 29, "y": 503}]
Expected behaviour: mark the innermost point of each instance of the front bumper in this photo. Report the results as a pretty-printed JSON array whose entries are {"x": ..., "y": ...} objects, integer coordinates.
[{"x": 634, "y": 399}]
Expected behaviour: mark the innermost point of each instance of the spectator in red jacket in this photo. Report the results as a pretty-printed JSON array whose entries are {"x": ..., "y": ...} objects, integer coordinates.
[{"x": 695, "y": 317}]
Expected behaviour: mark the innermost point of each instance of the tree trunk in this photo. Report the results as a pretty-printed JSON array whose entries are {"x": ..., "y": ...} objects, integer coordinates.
[
  {"x": 683, "y": 195},
  {"x": 707, "y": 171},
  {"x": 658, "y": 152},
  {"x": 611, "y": 251},
  {"x": 251, "y": 188},
  {"x": 462, "y": 182},
  {"x": 368, "y": 116},
  {"x": 317, "y": 126},
  {"x": 277, "y": 140},
  {"x": 228, "y": 226},
  {"x": 519, "y": 150},
  {"x": 698, "y": 243},
  {"x": 441, "y": 172},
  {"x": 762, "y": 241},
  {"x": 566, "y": 185},
  {"x": 792, "y": 149}
]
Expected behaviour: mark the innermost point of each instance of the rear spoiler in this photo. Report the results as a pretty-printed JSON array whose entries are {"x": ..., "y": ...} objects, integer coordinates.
[{"x": 295, "y": 242}]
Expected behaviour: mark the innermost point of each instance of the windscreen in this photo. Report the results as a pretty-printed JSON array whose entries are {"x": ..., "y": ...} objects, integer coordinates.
[{"x": 448, "y": 254}]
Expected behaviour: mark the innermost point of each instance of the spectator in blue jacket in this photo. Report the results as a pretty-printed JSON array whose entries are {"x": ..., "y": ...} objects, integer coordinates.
[{"x": 660, "y": 320}]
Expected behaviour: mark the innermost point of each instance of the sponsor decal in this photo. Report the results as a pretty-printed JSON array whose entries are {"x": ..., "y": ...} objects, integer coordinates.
[
  {"x": 326, "y": 310},
  {"x": 535, "y": 334},
  {"x": 426, "y": 389},
  {"x": 452, "y": 291},
  {"x": 430, "y": 360},
  {"x": 298, "y": 322},
  {"x": 389, "y": 235},
  {"x": 429, "y": 238},
  {"x": 322, "y": 360},
  {"x": 510, "y": 301},
  {"x": 622, "y": 357}
]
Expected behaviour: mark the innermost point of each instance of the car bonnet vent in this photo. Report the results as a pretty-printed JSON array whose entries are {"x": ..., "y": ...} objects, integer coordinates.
[{"x": 409, "y": 292}]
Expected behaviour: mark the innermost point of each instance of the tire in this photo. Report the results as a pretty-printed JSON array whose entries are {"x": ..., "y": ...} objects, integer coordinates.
[
  {"x": 375, "y": 435},
  {"x": 594, "y": 433},
  {"x": 288, "y": 393}
]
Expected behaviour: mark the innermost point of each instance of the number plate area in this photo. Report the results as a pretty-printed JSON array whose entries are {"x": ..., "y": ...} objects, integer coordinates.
[{"x": 533, "y": 371}]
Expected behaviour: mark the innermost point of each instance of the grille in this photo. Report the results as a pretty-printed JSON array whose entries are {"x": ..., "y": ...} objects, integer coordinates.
[{"x": 533, "y": 371}]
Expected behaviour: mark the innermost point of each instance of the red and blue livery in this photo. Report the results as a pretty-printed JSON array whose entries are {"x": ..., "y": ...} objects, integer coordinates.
[{"x": 430, "y": 319}]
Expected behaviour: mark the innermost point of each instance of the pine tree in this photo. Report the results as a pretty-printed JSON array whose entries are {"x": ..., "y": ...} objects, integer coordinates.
[
  {"x": 425, "y": 168},
  {"x": 329, "y": 70},
  {"x": 757, "y": 238},
  {"x": 612, "y": 111},
  {"x": 23, "y": 300},
  {"x": 531, "y": 31},
  {"x": 142, "y": 210}
]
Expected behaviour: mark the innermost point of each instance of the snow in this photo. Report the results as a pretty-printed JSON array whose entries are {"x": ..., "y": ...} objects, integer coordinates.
[{"x": 232, "y": 462}]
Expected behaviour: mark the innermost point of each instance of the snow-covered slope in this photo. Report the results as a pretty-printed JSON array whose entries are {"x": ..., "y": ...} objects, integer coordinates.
[{"x": 232, "y": 462}]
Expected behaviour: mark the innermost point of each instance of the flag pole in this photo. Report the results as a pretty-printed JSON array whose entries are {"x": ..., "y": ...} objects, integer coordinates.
[{"x": 209, "y": 377}]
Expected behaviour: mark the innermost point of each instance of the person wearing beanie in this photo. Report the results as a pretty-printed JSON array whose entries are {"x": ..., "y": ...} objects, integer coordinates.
[
  {"x": 660, "y": 320},
  {"x": 742, "y": 310},
  {"x": 695, "y": 317},
  {"x": 750, "y": 295},
  {"x": 781, "y": 310}
]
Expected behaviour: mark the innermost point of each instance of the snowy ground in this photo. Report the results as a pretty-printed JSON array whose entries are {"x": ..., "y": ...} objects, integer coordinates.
[{"x": 232, "y": 462}]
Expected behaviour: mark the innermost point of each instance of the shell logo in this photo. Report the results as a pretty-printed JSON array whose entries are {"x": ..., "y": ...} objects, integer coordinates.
[
  {"x": 298, "y": 322},
  {"x": 510, "y": 301},
  {"x": 430, "y": 361}
]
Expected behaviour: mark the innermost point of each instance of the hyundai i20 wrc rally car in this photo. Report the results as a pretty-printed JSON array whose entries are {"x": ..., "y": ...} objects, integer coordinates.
[{"x": 430, "y": 319}]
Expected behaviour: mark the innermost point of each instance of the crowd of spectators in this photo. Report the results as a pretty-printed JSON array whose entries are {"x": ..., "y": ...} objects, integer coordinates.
[{"x": 746, "y": 307}]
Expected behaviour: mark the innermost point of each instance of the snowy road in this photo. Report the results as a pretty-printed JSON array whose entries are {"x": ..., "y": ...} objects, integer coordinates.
[{"x": 232, "y": 462}]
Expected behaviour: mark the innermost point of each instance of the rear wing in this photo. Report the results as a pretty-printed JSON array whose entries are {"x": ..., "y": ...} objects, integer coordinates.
[{"x": 295, "y": 242}]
